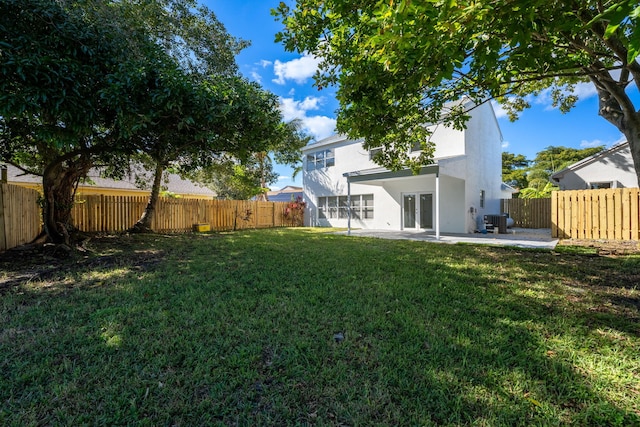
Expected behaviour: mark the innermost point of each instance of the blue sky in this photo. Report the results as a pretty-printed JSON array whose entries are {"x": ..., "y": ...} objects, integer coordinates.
[{"x": 289, "y": 75}]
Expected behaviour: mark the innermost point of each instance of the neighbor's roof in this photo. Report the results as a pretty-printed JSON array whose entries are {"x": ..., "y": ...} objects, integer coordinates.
[
  {"x": 285, "y": 194},
  {"x": 588, "y": 160},
  {"x": 507, "y": 187},
  {"x": 175, "y": 183}
]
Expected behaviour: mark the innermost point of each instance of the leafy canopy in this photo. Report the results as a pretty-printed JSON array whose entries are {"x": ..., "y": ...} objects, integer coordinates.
[{"x": 399, "y": 64}]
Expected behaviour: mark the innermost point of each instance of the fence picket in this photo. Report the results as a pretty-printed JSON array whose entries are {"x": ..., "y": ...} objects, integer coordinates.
[
  {"x": 608, "y": 214},
  {"x": 118, "y": 213},
  {"x": 19, "y": 216}
]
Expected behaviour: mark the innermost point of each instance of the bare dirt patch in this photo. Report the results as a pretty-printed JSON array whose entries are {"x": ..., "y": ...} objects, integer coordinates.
[{"x": 605, "y": 247}]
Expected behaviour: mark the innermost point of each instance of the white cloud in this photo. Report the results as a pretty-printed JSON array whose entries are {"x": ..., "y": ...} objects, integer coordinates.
[
  {"x": 292, "y": 109},
  {"x": 505, "y": 144},
  {"x": 319, "y": 126},
  {"x": 589, "y": 144},
  {"x": 298, "y": 70},
  {"x": 597, "y": 142},
  {"x": 256, "y": 77},
  {"x": 585, "y": 90},
  {"x": 283, "y": 178},
  {"x": 582, "y": 90},
  {"x": 264, "y": 63}
]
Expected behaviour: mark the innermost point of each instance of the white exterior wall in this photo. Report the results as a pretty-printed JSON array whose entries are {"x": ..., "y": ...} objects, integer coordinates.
[
  {"x": 469, "y": 161},
  {"x": 616, "y": 167},
  {"x": 483, "y": 141},
  {"x": 349, "y": 156}
]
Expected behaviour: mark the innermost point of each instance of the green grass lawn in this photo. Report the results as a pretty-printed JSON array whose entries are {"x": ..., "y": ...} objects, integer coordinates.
[{"x": 238, "y": 329}]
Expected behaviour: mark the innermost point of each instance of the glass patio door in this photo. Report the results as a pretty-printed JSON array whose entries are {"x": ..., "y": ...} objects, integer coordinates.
[
  {"x": 409, "y": 211},
  {"x": 417, "y": 211},
  {"x": 426, "y": 211}
]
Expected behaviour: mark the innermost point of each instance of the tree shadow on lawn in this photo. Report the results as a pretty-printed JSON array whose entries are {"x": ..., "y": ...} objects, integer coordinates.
[{"x": 432, "y": 336}]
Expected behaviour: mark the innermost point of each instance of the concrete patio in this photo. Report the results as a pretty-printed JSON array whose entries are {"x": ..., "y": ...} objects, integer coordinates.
[{"x": 519, "y": 237}]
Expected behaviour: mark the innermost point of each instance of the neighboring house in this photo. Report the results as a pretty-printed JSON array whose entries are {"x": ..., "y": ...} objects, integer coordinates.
[
  {"x": 285, "y": 194},
  {"x": 464, "y": 181},
  {"x": 507, "y": 191},
  {"x": 611, "y": 168},
  {"x": 125, "y": 187}
]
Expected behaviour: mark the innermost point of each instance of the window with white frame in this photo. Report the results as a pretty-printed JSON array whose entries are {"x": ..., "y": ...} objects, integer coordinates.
[
  {"x": 320, "y": 159},
  {"x": 600, "y": 185},
  {"x": 337, "y": 207},
  {"x": 373, "y": 152}
]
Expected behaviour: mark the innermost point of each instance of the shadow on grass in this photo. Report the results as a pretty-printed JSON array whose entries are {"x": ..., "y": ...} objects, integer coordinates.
[{"x": 239, "y": 330}]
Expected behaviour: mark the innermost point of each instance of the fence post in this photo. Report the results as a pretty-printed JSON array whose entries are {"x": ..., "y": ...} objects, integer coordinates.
[{"x": 3, "y": 234}]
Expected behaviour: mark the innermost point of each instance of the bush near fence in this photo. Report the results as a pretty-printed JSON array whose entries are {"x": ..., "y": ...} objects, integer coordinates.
[
  {"x": 528, "y": 213},
  {"x": 99, "y": 213},
  {"x": 20, "y": 220},
  {"x": 607, "y": 214}
]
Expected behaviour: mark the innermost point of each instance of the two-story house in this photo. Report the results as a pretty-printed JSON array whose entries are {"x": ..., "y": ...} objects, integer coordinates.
[{"x": 343, "y": 187}]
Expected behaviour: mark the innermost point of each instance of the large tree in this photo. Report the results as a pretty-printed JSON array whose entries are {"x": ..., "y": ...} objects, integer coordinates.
[
  {"x": 195, "y": 122},
  {"x": 53, "y": 120},
  {"x": 400, "y": 64},
  {"x": 88, "y": 82}
]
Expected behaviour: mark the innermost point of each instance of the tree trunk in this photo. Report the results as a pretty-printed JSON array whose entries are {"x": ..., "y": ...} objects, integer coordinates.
[
  {"x": 144, "y": 223},
  {"x": 59, "y": 182},
  {"x": 633, "y": 137}
]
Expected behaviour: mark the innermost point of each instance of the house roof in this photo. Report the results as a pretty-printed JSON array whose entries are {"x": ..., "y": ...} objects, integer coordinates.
[
  {"x": 588, "y": 160},
  {"x": 285, "y": 194},
  {"x": 287, "y": 189},
  {"x": 175, "y": 183},
  {"x": 376, "y": 174},
  {"x": 333, "y": 139},
  {"x": 507, "y": 187},
  {"x": 337, "y": 138}
]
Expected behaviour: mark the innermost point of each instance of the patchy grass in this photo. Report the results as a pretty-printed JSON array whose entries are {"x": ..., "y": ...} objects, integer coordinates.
[{"x": 238, "y": 329}]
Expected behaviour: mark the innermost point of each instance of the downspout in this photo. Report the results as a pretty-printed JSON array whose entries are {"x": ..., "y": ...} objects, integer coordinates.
[
  {"x": 438, "y": 204},
  {"x": 348, "y": 206}
]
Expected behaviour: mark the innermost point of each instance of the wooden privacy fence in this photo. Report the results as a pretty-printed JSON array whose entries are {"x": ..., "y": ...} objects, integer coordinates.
[
  {"x": 528, "y": 213},
  {"x": 19, "y": 216},
  {"x": 610, "y": 214},
  {"x": 100, "y": 213}
]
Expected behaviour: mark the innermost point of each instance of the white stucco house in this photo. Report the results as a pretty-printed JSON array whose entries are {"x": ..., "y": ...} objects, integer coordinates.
[
  {"x": 464, "y": 181},
  {"x": 611, "y": 168}
]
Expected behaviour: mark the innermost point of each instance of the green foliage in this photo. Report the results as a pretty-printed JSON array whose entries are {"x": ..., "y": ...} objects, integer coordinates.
[
  {"x": 554, "y": 159},
  {"x": 294, "y": 212},
  {"x": 514, "y": 167},
  {"x": 533, "y": 177},
  {"x": 237, "y": 329},
  {"x": 99, "y": 82},
  {"x": 401, "y": 64},
  {"x": 234, "y": 177},
  {"x": 537, "y": 191}
]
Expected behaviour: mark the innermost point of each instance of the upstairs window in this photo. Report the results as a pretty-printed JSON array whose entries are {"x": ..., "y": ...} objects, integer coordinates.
[
  {"x": 320, "y": 159},
  {"x": 373, "y": 152}
]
